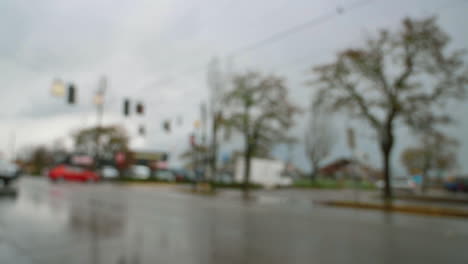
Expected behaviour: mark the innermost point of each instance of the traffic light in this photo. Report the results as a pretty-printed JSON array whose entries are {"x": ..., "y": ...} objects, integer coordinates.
[
  {"x": 71, "y": 94},
  {"x": 142, "y": 130},
  {"x": 167, "y": 126},
  {"x": 193, "y": 143},
  {"x": 126, "y": 109},
  {"x": 140, "y": 108}
]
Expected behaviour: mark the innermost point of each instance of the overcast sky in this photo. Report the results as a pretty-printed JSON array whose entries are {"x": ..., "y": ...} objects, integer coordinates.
[{"x": 156, "y": 51}]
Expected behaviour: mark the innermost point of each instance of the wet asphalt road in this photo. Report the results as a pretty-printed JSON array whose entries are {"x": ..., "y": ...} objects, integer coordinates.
[{"x": 106, "y": 223}]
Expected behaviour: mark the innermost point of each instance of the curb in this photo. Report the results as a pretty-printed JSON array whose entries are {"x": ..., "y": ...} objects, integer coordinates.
[
  {"x": 448, "y": 200},
  {"x": 150, "y": 184},
  {"x": 409, "y": 209}
]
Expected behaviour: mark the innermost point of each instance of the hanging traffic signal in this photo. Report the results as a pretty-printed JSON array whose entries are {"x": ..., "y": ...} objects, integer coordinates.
[
  {"x": 140, "y": 108},
  {"x": 126, "y": 110},
  {"x": 71, "y": 94},
  {"x": 193, "y": 143},
  {"x": 167, "y": 126},
  {"x": 142, "y": 130}
]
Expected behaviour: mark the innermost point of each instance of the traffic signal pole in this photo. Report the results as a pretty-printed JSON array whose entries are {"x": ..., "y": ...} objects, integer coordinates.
[
  {"x": 99, "y": 101},
  {"x": 204, "y": 119}
]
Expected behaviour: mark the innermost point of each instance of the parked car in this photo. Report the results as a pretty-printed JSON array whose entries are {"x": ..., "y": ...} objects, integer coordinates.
[
  {"x": 399, "y": 184},
  {"x": 183, "y": 175},
  {"x": 72, "y": 173},
  {"x": 165, "y": 175},
  {"x": 8, "y": 172},
  {"x": 457, "y": 185},
  {"x": 109, "y": 172},
  {"x": 140, "y": 172},
  {"x": 224, "y": 178}
]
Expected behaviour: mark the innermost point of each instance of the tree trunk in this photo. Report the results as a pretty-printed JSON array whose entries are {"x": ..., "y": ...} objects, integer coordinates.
[
  {"x": 387, "y": 173},
  {"x": 386, "y": 149},
  {"x": 214, "y": 149},
  {"x": 426, "y": 166},
  {"x": 247, "y": 157},
  {"x": 424, "y": 181},
  {"x": 314, "y": 172},
  {"x": 248, "y": 150}
]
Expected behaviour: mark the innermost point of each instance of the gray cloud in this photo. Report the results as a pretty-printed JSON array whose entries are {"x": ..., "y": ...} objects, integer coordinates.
[{"x": 148, "y": 50}]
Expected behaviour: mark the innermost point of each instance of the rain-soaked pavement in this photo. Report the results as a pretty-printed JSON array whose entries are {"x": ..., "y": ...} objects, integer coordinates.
[{"x": 105, "y": 223}]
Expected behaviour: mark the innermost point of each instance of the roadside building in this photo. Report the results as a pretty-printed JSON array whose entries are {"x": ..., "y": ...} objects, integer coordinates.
[{"x": 348, "y": 168}]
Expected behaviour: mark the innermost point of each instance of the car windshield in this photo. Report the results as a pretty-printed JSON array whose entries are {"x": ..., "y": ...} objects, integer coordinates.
[{"x": 233, "y": 131}]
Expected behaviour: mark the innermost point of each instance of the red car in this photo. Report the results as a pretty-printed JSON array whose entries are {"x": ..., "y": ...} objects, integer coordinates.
[{"x": 72, "y": 173}]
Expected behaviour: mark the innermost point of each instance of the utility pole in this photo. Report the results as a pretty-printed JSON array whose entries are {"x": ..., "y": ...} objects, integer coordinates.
[
  {"x": 351, "y": 138},
  {"x": 215, "y": 81},
  {"x": 204, "y": 119},
  {"x": 99, "y": 102},
  {"x": 290, "y": 145}
]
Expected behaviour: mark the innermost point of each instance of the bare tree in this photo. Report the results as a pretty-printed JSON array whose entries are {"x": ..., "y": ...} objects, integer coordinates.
[
  {"x": 405, "y": 75},
  {"x": 258, "y": 107},
  {"x": 319, "y": 139},
  {"x": 112, "y": 139},
  {"x": 35, "y": 158},
  {"x": 436, "y": 151},
  {"x": 193, "y": 156}
]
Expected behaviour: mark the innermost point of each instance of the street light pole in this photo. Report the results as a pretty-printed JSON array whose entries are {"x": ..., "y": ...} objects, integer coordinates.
[
  {"x": 99, "y": 102},
  {"x": 204, "y": 120}
]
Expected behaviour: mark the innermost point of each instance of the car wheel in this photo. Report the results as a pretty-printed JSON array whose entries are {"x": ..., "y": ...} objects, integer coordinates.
[{"x": 6, "y": 182}]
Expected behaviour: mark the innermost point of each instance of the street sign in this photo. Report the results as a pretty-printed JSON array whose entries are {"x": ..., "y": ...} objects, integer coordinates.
[
  {"x": 139, "y": 155},
  {"x": 120, "y": 158},
  {"x": 83, "y": 160}
]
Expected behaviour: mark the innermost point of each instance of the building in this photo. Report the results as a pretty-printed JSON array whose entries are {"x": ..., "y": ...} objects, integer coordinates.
[
  {"x": 349, "y": 168},
  {"x": 266, "y": 172}
]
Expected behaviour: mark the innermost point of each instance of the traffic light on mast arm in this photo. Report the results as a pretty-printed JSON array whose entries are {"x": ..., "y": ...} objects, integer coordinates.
[
  {"x": 142, "y": 130},
  {"x": 167, "y": 126},
  {"x": 71, "y": 94},
  {"x": 126, "y": 110},
  {"x": 140, "y": 108},
  {"x": 193, "y": 142}
]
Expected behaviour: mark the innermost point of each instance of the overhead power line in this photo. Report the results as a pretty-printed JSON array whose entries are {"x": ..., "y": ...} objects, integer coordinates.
[
  {"x": 437, "y": 10},
  {"x": 277, "y": 36},
  {"x": 297, "y": 28}
]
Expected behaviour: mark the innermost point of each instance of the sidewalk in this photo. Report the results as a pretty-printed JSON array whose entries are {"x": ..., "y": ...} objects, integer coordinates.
[
  {"x": 435, "y": 204},
  {"x": 430, "y": 204}
]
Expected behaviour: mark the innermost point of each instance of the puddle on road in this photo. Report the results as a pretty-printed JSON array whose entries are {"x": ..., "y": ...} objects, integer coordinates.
[{"x": 9, "y": 254}]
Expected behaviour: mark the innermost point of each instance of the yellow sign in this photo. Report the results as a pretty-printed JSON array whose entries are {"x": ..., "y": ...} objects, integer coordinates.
[
  {"x": 58, "y": 88},
  {"x": 197, "y": 124},
  {"x": 147, "y": 155}
]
